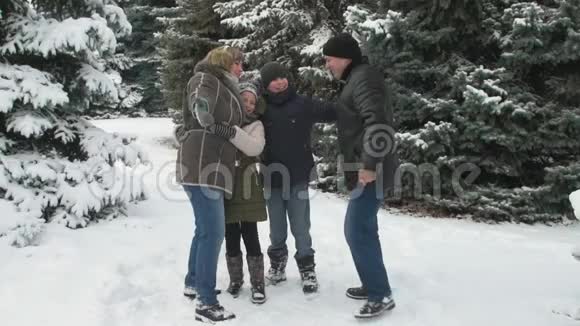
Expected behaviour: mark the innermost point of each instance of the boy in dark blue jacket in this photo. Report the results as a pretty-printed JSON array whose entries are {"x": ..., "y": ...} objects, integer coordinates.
[{"x": 288, "y": 123}]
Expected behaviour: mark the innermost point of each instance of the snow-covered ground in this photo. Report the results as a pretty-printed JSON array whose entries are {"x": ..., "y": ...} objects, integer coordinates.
[{"x": 129, "y": 272}]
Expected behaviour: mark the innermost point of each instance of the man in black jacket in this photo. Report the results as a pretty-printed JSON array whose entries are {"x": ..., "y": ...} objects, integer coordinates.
[{"x": 366, "y": 139}]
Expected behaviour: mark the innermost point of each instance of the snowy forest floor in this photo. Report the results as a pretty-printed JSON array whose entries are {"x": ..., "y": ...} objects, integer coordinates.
[{"x": 129, "y": 271}]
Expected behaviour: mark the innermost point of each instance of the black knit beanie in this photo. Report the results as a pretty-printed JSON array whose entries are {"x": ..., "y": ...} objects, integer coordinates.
[
  {"x": 343, "y": 46},
  {"x": 272, "y": 71}
]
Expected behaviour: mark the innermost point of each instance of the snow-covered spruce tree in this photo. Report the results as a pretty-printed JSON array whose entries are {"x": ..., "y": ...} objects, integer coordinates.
[
  {"x": 495, "y": 95},
  {"x": 55, "y": 62},
  {"x": 141, "y": 78},
  {"x": 190, "y": 33},
  {"x": 542, "y": 46},
  {"x": 291, "y": 32}
]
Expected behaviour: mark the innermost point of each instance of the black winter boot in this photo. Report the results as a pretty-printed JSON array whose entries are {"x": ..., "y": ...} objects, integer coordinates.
[
  {"x": 357, "y": 293},
  {"x": 374, "y": 309},
  {"x": 277, "y": 271},
  {"x": 212, "y": 313},
  {"x": 307, "y": 274}
]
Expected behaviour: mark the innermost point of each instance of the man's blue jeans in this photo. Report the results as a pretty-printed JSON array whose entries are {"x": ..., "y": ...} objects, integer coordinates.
[{"x": 362, "y": 235}]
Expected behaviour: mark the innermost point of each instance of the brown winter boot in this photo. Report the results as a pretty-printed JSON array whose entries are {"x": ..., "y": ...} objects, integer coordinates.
[
  {"x": 235, "y": 269},
  {"x": 256, "y": 269}
]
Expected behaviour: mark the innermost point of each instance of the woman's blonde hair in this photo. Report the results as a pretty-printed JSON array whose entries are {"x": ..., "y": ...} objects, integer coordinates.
[
  {"x": 224, "y": 57},
  {"x": 236, "y": 53}
]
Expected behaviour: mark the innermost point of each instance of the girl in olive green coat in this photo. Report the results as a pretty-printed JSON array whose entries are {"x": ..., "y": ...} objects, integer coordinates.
[{"x": 246, "y": 206}]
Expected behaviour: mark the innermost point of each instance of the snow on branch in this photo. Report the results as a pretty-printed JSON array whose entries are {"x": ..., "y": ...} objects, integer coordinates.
[
  {"x": 118, "y": 20},
  {"x": 29, "y": 124},
  {"x": 99, "y": 83},
  {"x": 49, "y": 37},
  {"x": 29, "y": 86}
]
